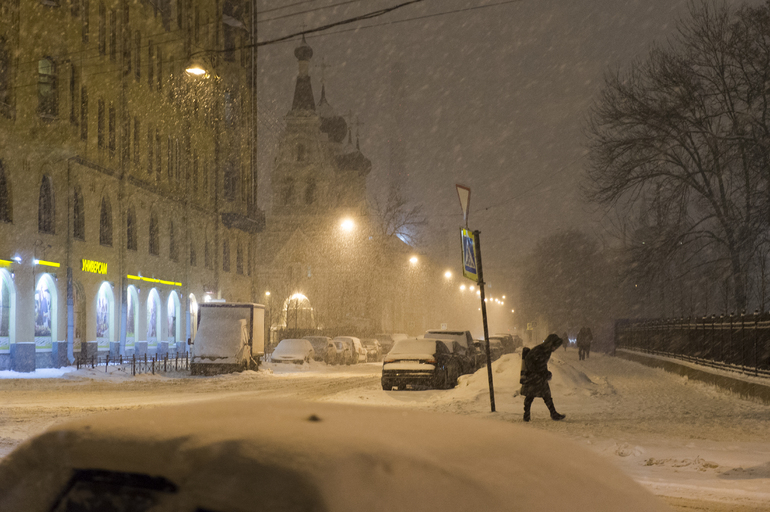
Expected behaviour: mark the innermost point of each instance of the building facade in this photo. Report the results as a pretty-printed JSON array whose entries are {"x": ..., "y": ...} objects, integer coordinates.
[{"x": 127, "y": 190}]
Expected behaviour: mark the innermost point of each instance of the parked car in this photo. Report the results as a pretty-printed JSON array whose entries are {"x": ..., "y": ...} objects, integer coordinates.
[
  {"x": 495, "y": 349},
  {"x": 419, "y": 362},
  {"x": 373, "y": 349},
  {"x": 357, "y": 351},
  {"x": 387, "y": 340},
  {"x": 293, "y": 351},
  {"x": 342, "y": 352},
  {"x": 462, "y": 346},
  {"x": 510, "y": 342},
  {"x": 324, "y": 348}
]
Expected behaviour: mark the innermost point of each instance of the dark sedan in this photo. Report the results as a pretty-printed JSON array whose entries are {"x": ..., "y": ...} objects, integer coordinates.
[{"x": 425, "y": 363}]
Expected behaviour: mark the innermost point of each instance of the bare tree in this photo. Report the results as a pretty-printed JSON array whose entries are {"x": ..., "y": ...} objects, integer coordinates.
[
  {"x": 394, "y": 216},
  {"x": 689, "y": 126}
]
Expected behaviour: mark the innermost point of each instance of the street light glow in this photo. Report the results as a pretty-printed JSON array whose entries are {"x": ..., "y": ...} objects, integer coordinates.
[
  {"x": 478, "y": 292},
  {"x": 195, "y": 70},
  {"x": 503, "y": 297},
  {"x": 347, "y": 225},
  {"x": 447, "y": 274},
  {"x": 472, "y": 288},
  {"x": 413, "y": 260},
  {"x": 462, "y": 287},
  {"x": 267, "y": 294}
]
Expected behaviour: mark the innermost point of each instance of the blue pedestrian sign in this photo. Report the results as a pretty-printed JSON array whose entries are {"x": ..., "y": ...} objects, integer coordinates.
[{"x": 470, "y": 269}]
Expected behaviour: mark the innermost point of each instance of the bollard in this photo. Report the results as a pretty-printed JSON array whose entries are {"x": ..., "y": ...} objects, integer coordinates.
[
  {"x": 153, "y": 365},
  {"x": 107, "y": 363},
  {"x": 133, "y": 365},
  {"x": 165, "y": 362}
]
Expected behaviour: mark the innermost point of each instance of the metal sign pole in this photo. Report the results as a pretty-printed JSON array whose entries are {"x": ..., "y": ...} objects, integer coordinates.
[{"x": 484, "y": 318}]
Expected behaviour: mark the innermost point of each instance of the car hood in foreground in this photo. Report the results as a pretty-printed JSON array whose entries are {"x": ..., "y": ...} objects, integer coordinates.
[{"x": 254, "y": 454}]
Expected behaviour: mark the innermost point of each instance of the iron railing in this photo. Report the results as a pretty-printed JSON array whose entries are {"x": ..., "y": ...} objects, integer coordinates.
[
  {"x": 136, "y": 365},
  {"x": 739, "y": 343}
]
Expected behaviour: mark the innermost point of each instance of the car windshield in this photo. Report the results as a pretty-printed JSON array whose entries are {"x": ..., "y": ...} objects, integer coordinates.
[{"x": 414, "y": 346}]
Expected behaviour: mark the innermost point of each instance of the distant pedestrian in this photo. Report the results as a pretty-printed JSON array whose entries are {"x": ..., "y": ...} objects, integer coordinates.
[
  {"x": 565, "y": 339},
  {"x": 535, "y": 376},
  {"x": 584, "y": 339}
]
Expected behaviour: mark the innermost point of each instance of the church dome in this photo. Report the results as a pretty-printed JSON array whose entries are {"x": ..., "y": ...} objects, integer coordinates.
[
  {"x": 331, "y": 124},
  {"x": 303, "y": 51}
]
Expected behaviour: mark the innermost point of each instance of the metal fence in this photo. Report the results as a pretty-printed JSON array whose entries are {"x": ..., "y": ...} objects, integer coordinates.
[
  {"x": 738, "y": 343},
  {"x": 136, "y": 365}
]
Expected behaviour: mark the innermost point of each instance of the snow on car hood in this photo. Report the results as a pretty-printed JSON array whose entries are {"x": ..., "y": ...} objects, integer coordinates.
[{"x": 248, "y": 454}]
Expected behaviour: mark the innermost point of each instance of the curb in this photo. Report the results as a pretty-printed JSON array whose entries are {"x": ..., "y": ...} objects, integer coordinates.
[{"x": 745, "y": 389}]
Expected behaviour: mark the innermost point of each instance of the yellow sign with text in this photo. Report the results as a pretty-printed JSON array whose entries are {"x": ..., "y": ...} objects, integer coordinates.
[{"x": 95, "y": 267}]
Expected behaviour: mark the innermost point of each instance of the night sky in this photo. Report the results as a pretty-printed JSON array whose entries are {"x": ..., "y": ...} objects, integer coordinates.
[{"x": 495, "y": 98}]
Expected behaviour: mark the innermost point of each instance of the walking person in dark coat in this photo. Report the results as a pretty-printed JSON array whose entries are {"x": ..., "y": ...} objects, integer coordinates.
[
  {"x": 565, "y": 340},
  {"x": 535, "y": 376}
]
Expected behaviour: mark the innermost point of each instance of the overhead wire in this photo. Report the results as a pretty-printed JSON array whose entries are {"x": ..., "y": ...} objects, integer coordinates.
[{"x": 298, "y": 13}]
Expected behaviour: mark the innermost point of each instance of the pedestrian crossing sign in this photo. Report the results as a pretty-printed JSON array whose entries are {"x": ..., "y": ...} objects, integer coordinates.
[{"x": 470, "y": 269}]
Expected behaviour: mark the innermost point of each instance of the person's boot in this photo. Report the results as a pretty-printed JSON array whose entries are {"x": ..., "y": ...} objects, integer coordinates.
[
  {"x": 527, "y": 406},
  {"x": 555, "y": 416}
]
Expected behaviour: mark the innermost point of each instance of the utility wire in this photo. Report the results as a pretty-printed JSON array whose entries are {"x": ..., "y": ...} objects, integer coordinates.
[
  {"x": 263, "y": 11},
  {"x": 309, "y": 10}
]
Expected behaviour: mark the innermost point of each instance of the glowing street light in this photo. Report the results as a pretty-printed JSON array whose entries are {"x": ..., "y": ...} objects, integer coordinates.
[
  {"x": 413, "y": 260},
  {"x": 478, "y": 292},
  {"x": 503, "y": 297},
  {"x": 462, "y": 287},
  {"x": 347, "y": 225},
  {"x": 472, "y": 288},
  {"x": 267, "y": 294},
  {"x": 448, "y": 274}
]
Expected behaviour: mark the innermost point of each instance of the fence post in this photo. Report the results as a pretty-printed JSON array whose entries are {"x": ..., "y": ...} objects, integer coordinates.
[
  {"x": 743, "y": 341},
  {"x": 730, "y": 340},
  {"x": 165, "y": 361},
  {"x": 133, "y": 365},
  {"x": 107, "y": 363},
  {"x": 187, "y": 360},
  {"x": 153, "y": 365},
  {"x": 756, "y": 342}
]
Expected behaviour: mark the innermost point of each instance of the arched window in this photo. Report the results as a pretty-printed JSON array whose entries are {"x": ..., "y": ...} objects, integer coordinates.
[
  {"x": 310, "y": 191},
  {"x": 5, "y": 79},
  {"x": 172, "y": 245},
  {"x": 154, "y": 234},
  {"x": 287, "y": 192},
  {"x": 105, "y": 223},
  {"x": 226, "y": 255},
  {"x": 6, "y": 211},
  {"x": 78, "y": 215},
  {"x": 239, "y": 260},
  {"x": 45, "y": 207},
  {"x": 131, "y": 229},
  {"x": 46, "y": 88}
]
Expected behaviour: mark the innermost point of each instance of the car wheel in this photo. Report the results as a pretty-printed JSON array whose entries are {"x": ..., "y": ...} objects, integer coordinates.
[
  {"x": 440, "y": 379},
  {"x": 401, "y": 387},
  {"x": 387, "y": 386}
]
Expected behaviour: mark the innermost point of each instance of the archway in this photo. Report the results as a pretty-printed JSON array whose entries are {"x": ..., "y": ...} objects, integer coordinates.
[
  {"x": 297, "y": 313},
  {"x": 192, "y": 328},
  {"x": 105, "y": 314},
  {"x": 46, "y": 312},
  {"x": 132, "y": 319},
  {"x": 153, "y": 318},
  {"x": 7, "y": 312},
  {"x": 172, "y": 317}
]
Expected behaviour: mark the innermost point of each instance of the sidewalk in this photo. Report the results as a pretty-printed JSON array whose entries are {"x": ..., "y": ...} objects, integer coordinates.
[{"x": 746, "y": 386}]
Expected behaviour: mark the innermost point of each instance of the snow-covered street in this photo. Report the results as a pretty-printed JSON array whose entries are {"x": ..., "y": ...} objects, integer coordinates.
[{"x": 700, "y": 448}]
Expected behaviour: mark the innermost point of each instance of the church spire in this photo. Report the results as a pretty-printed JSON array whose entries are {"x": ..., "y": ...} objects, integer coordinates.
[{"x": 303, "y": 91}]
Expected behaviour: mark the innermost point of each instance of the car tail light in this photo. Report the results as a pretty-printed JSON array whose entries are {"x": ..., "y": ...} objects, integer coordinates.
[
  {"x": 389, "y": 361},
  {"x": 429, "y": 361}
]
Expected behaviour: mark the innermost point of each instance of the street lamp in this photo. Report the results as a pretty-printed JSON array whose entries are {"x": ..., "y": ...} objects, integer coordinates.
[
  {"x": 413, "y": 260},
  {"x": 199, "y": 66},
  {"x": 347, "y": 225},
  {"x": 448, "y": 274},
  {"x": 462, "y": 287}
]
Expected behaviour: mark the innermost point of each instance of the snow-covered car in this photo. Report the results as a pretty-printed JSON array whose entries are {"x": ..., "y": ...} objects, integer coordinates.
[
  {"x": 342, "y": 352},
  {"x": 293, "y": 351},
  {"x": 510, "y": 343},
  {"x": 357, "y": 350},
  {"x": 461, "y": 343},
  {"x": 420, "y": 362},
  {"x": 495, "y": 349},
  {"x": 373, "y": 349},
  {"x": 244, "y": 454},
  {"x": 388, "y": 339},
  {"x": 324, "y": 348}
]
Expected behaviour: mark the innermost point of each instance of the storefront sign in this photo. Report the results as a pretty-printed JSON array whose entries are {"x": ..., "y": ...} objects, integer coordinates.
[
  {"x": 152, "y": 280},
  {"x": 47, "y": 263},
  {"x": 95, "y": 267}
]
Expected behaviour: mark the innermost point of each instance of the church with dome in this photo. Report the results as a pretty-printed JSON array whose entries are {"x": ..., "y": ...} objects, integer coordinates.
[{"x": 317, "y": 251}]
